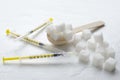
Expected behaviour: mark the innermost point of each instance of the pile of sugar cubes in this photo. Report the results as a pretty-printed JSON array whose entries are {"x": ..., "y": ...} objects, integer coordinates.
[
  {"x": 86, "y": 44},
  {"x": 62, "y": 30}
]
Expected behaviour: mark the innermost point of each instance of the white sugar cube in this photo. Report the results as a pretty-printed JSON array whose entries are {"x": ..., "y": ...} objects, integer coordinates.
[
  {"x": 56, "y": 36},
  {"x": 50, "y": 29},
  {"x": 68, "y": 35},
  {"x": 91, "y": 44},
  {"x": 110, "y": 52},
  {"x": 86, "y": 34},
  {"x": 76, "y": 38},
  {"x": 110, "y": 64},
  {"x": 101, "y": 50},
  {"x": 80, "y": 46},
  {"x": 84, "y": 56},
  {"x": 60, "y": 27},
  {"x": 98, "y": 60},
  {"x": 98, "y": 37}
]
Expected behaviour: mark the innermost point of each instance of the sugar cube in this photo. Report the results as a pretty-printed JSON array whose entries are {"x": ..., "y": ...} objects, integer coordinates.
[
  {"x": 60, "y": 27},
  {"x": 86, "y": 34},
  {"x": 91, "y": 44},
  {"x": 110, "y": 64},
  {"x": 84, "y": 56},
  {"x": 81, "y": 45},
  {"x": 98, "y": 37},
  {"x": 110, "y": 52},
  {"x": 98, "y": 60},
  {"x": 68, "y": 35}
]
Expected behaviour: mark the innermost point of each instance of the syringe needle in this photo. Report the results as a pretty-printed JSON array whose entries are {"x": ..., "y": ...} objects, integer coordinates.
[
  {"x": 30, "y": 57},
  {"x": 34, "y": 42},
  {"x": 45, "y": 24}
]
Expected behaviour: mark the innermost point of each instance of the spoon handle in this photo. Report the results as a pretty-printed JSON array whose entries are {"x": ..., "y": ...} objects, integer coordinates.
[{"x": 93, "y": 25}]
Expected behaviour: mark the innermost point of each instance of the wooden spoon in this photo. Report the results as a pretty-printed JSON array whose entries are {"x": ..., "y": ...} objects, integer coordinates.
[{"x": 62, "y": 41}]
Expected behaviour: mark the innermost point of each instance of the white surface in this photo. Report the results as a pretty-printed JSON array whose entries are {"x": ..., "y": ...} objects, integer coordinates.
[{"x": 23, "y": 15}]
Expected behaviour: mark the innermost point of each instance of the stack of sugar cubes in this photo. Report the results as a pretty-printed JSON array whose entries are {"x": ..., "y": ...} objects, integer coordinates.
[
  {"x": 62, "y": 30},
  {"x": 103, "y": 55}
]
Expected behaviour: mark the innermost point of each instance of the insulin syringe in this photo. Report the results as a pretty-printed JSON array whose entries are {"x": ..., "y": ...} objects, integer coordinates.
[{"x": 30, "y": 57}]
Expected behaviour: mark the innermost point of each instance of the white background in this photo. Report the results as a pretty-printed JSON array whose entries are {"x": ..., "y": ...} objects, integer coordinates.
[{"x": 23, "y": 15}]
